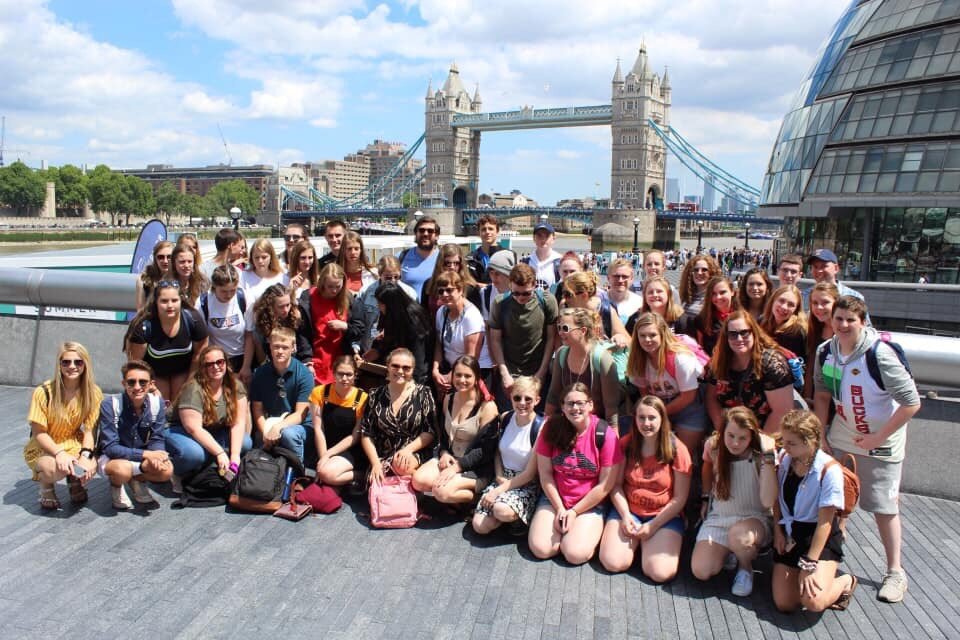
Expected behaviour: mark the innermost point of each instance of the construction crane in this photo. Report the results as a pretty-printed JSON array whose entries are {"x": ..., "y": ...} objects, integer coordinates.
[
  {"x": 3, "y": 139},
  {"x": 225, "y": 147}
]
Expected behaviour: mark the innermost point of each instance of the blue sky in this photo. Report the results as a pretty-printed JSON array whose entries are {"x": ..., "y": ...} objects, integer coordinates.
[{"x": 132, "y": 83}]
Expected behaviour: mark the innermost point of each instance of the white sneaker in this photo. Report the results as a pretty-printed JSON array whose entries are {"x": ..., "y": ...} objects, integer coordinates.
[
  {"x": 730, "y": 562},
  {"x": 176, "y": 484},
  {"x": 120, "y": 499},
  {"x": 142, "y": 495},
  {"x": 742, "y": 583},
  {"x": 893, "y": 587}
]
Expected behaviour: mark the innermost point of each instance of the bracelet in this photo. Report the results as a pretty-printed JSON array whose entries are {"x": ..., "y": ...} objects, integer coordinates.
[
  {"x": 59, "y": 451},
  {"x": 221, "y": 453},
  {"x": 806, "y": 564}
]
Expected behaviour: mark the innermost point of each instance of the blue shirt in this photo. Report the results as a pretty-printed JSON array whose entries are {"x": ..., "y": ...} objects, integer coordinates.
[
  {"x": 297, "y": 385},
  {"x": 126, "y": 436},
  {"x": 415, "y": 270},
  {"x": 812, "y": 495}
]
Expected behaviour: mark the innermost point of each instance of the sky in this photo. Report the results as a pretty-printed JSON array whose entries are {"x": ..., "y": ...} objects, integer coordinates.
[{"x": 151, "y": 82}]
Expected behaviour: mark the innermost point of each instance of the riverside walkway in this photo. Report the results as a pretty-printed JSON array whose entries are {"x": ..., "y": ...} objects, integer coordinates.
[{"x": 90, "y": 572}]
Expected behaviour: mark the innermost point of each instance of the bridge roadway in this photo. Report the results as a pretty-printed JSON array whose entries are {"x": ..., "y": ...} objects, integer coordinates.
[{"x": 207, "y": 573}]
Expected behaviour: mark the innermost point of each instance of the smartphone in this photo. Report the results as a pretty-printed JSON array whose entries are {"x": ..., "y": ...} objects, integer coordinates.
[{"x": 78, "y": 470}]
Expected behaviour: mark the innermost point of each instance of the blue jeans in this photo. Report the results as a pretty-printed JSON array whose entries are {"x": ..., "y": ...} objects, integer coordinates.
[
  {"x": 188, "y": 456},
  {"x": 299, "y": 439}
]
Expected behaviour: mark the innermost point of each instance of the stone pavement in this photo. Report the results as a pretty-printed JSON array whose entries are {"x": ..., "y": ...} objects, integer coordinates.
[{"x": 208, "y": 573}]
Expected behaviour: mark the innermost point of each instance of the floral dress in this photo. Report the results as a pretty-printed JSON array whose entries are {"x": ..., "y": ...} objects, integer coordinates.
[{"x": 743, "y": 388}]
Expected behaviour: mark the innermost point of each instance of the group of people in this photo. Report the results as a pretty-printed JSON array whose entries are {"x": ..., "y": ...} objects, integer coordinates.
[{"x": 593, "y": 420}]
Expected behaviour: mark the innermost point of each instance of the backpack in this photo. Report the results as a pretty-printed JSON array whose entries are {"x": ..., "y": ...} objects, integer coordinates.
[
  {"x": 393, "y": 503},
  {"x": 263, "y": 479},
  {"x": 873, "y": 367},
  {"x": 795, "y": 363},
  {"x": 702, "y": 358},
  {"x": 538, "y": 421},
  {"x": 620, "y": 356},
  {"x": 851, "y": 484},
  {"x": 617, "y": 354},
  {"x": 205, "y": 488},
  {"x": 205, "y": 305}
]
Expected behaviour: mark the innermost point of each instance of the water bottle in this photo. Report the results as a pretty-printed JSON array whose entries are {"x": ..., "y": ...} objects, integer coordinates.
[{"x": 287, "y": 481}]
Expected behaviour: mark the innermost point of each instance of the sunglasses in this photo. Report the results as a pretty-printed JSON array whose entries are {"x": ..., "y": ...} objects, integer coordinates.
[
  {"x": 451, "y": 263},
  {"x": 292, "y": 238},
  {"x": 522, "y": 294},
  {"x": 168, "y": 284},
  {"x": 403, "y": 368},
  {"x": 222, "y": 362},
  {"x": 164, "y": 256},
  {"x": 446, "y": 290},
  {"x": 427, "y": 231},
  {"x": 133, "y": 383},
  {"x": 66, "y": 362},
  {"x": 520, "y": 399},
  {"x": 739, "y": 335},
  {"x": 281, "y": 389},
  {"x": 567, "y": 328}
]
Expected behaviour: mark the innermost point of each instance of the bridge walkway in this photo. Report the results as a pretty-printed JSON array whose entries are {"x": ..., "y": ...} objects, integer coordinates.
[{"x": 207, "y": 573}]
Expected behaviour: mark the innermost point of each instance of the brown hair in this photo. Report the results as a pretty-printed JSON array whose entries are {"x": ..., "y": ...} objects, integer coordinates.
[
  {"x": 744, "y": 298},
  {"x": 263, "y": 245},
  {"x": 666, "y": 448},
  {"x": 720, "y": 359},
  {"x": 854, "y": 305},
  {"x": 814, "y": 326},
  {"x": 265, "y": 317},
  {"x": 230, "y": 390},
  {"x": 803, "y": 424},
  {"x": 333, "y": 271},
  {"x": 637, "y": 361},
  {"x": 352, "y": 237},
  {"x": 687, "y": 287},
  {"x": 293, "y": 262},
  {"x": 745, "y": 419},
  {"x": 488, "y": 218},
  {"x": 523, "y": 274},
  {"x": 706, "y": 318},
  {"x": 559, "y": 432},
  {"x": 795, "y": 324},
  {"x": 449, "y": 251}
]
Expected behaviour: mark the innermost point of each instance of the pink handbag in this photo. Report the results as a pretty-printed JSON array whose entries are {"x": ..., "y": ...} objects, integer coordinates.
[{"x": 393, "y": 503}]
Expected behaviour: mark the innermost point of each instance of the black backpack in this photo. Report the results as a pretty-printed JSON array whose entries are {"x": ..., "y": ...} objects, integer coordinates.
[
  {"x": 262, "y": 479},
  {"x": 205, "y": 488}
]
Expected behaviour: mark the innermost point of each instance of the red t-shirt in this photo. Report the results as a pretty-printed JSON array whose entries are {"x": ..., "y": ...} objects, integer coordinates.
[
  {"x": 326, "y": 341},
  {"x": 355, "y": 281},
  {"x": 648, "y": 485},
  {"x": 577, "y": 471}
]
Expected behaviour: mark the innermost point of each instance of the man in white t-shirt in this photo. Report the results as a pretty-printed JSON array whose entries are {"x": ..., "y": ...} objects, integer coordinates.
[{"x": 544, "y": 260}]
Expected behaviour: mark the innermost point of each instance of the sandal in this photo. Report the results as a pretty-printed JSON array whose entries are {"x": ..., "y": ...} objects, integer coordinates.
[
  {"x": 48, "y": 499},
  {"x": 78, "y": 493},
  {"x": 846, "y": 597}
]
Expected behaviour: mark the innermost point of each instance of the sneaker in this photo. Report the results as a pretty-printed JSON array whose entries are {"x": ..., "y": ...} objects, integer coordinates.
[
  {"x": 731, "y": 562},
  {"x": 176, "y": 484},
  {"x": 894, "y": 586},
  {"x": 142, "y": 495},
  {"x": 120, "y": 499},
  {"x": 742, "y": 583}
]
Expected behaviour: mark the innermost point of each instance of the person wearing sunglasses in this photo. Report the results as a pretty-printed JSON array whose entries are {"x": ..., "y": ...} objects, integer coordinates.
[
  {"x": 417, "y": 263},
  {"x": 294, "y": 233},
  {"x": 156, "y": 270},
  {"x": 512, "y": 495},
  {"x": 578, "y": 460},
  {"x": 451, "y": 260},
  {"x": 280, "y": 397},
  {"x": 748, "y": 369},
  {"x": 133, "y": 438},
  {"x": 63, "y": 417},
  {"x": 169, "y": 336},
  {"x": 207, "y": 419},
  {"x": 460, "y": 331}
]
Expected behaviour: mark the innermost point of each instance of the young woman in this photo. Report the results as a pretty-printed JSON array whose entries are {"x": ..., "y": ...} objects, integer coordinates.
[
  {"x": 578, "y": 468},
  {"x": 819, "y": 327},
  {"x": 191, "y": 280},
  {"x": 785, "y": 321},
  {"x": 208, "y": 418},
  {"x": 158, "y": 269},
  {"x": 720, "y": 303},
  {"x": 512, "y": 495},
  {"x": 460, "y": 331},
  {"x": 579, "y": 291},
  {"x": 263, "y": 272},
  {"x": 654, "y": 263},
  {"x": 451, "y": 260},
  {"x": 693, "y": 282},
  {"x": 224, "y": 318},
  {"x": 748, "y": 369},
  {"x": 463, "y": 465},
  {"x": 365, "y": 311},
  {"x": 328, "y": 312},
  {"x": 807, "y": 542},
  {"x": 302, "y": 268},
  {"x": 169, "y": 337},
  {"x": 403, "y": 323},
  {"x": 754, "y": 292},
  {"x": 354, "y": 262},
  {"x": 582, "y": 359},
  {"x": 63, "y": 416},
  {"x": 739, "y": 488},
  {"x": 570, "y": 264},
  {"x": 400, "y": 422},
  {"x": 657, "y": 298},
  {"x": 337, "y": 410},
  {"x": 275, "y": 308},
  {"x": 648, "y": 497},
  {"x": 662, "y": 366}
]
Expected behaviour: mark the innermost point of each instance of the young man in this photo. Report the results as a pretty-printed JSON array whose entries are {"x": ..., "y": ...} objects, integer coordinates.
[
  {"x": 790, "y": 269},
  {"x": 875, "y": 397},
  {"x": 618, "y": 293},
  {"x": 488, "y": 228},
  {"x": 824, "y": 267},
  {"x": 333, "y": 233},
  {"x": 416, "y": 264},
  {"x": 280, "y": 396},
  {"x": 525, "y": 319},
  {"x": 230, "y": 250},
  {"x": 132, "y": 428},
  {"x": 294, "y": 233},
  {"x": 498, "y": 275},
  {"x": 544, "y": 261}
]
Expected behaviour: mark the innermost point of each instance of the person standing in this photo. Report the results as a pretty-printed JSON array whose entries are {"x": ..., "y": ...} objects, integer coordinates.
[
  {"x": 333, "y": 233},
  {"x": 230, "y": 250},
  {"x": 294, "y": 233},
  {"x": 790, "y": 269},
  {"x": 488, "y": 228},
  {"x": 544, "y": 261},
  {"x": 418, "y": 262},
  {"x": 824, "y": 267}
]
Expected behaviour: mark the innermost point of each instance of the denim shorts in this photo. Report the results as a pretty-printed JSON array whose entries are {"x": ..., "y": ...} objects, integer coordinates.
[
  {"x": 600, "y": 509},
  {"x": 676, "y": 524}
]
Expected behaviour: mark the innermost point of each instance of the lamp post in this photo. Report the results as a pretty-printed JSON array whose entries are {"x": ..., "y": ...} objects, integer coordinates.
[
  {"x": 699, "y": 236},
  {"x": 746, "y": 236},
  {"x": 235, "y": 213},
  {"x": 636, "y": 234}
]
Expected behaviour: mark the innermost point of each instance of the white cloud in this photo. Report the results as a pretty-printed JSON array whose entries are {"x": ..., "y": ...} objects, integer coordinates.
[
  {"x": 200, "y": 102},
  {"x": 568, "y": 154}
]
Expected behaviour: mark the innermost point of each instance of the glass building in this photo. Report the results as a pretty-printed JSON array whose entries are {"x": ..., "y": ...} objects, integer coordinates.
[{"x": 867, "y": 162}]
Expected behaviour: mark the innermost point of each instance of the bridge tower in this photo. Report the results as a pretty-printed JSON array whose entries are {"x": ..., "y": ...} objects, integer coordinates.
[
  {"x": 453, "y": 153},
  {"x": 638, "y": 166}
]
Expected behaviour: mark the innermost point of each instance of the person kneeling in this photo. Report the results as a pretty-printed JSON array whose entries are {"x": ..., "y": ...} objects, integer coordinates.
[{"x": 132, "y": 438}]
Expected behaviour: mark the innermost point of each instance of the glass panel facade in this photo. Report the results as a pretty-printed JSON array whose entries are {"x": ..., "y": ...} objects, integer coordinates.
[
  {"x": 916, "y": 56},
  {"x": 930, "y": 167},
  {"x": 919, "y": 111},
  {"x": 896, "y": 15}
]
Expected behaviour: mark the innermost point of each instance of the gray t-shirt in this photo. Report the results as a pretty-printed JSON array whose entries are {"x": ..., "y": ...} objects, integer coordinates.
[{"x": 523, "y": 328}]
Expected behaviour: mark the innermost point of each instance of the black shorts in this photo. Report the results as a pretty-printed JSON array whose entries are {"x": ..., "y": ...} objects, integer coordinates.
[{"x": 803, "y": 536}]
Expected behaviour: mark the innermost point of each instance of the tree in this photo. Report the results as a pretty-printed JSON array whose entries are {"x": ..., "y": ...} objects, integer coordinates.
[
  {"x": 410, "y": 200},
  {"x": 191, "y": 205},
  {"x": 232, "y": 193},
  {"x": 106, "y": 191},
  {"x": 138, "y": 197},
  {"x": 169, "y": 201},
  {"x": 21, "y": 187},
  {"x": 72, "y": 191}
]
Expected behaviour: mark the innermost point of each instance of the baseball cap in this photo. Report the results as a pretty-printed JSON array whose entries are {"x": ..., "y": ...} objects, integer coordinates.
[
  {"x": 823, "y": 254},
  {"x": 502, "y": 262},
  {"x": 544, "y": 226}
]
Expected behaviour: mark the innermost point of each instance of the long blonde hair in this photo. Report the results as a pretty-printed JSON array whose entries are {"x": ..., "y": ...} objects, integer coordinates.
[
  {"x": 87, "y": 392},
  {"x": 637, "y": 362}
]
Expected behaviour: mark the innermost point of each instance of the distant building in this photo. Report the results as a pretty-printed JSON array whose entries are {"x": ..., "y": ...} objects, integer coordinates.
[
  {"x": 673, "y": 190},
  {"x": 338, "y": 179},
  {"x": 709, "y": 194},
  {"x": 199, "y": 180},
  {"x": 383, "y": 157}
]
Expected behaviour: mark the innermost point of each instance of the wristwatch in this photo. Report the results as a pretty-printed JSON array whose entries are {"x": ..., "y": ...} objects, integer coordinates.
[{"x": 86, "y": 453}]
